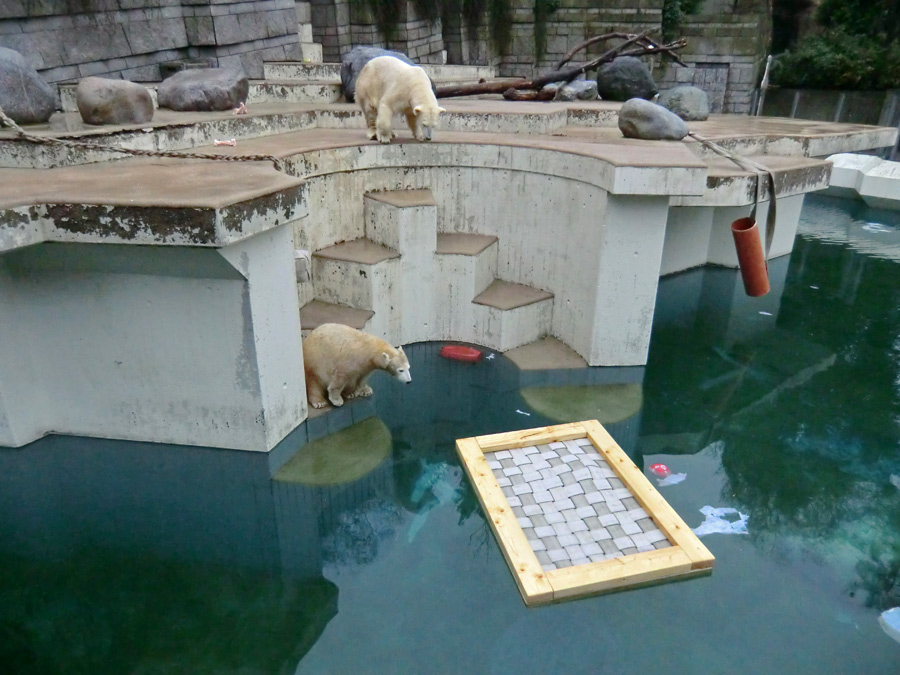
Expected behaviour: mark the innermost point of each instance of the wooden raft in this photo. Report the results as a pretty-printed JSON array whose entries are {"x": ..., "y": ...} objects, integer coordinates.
[{"x": 670, "y": 550}]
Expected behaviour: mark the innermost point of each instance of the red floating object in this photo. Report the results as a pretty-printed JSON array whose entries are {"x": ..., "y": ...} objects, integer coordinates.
[
  {"x": 660, "y": 470},
  {"x": 460, "y": 353}
]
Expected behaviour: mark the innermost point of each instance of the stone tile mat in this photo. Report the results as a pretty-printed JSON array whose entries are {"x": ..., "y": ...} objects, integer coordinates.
[{"x": 571, "y": 506}]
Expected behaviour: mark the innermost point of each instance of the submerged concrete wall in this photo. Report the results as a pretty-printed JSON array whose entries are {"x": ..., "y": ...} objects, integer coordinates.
[{"x": 70, "y": 39}]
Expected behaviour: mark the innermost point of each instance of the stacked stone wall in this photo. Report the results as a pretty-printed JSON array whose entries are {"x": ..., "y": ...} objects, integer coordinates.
[
  {"x": 340, "y": 25},
  {"x": 66, "y": 40},
  {"x": 726, "y": 51}
]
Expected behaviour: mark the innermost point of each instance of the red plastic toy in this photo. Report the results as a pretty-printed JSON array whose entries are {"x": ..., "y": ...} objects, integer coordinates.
[
  {"x": 460, "y": 353},
  {"x": 660, "y": 470}
]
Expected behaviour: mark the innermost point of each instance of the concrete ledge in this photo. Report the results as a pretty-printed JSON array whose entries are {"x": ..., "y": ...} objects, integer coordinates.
[
  {"x": 146, "y": 202},
  {"x": 458, "y": 243},
  {"x": 505, "y": 295},
  {"x": 361, "y": 251},
  {"x": 872, "y": 179}
]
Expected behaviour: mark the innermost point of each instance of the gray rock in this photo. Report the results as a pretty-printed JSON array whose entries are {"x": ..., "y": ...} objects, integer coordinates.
[
  {"x": 639, "y": 118},
  {"x": 24, "y": 95},
  {"x": 624, "y": 78},
  {"x": 203, "y": 89},
  {"x": 355, "y": 59},
  {"x": 689, "y": 103},
  {"x": 104, "y": 101},
  {"x": 577, "y": 90}
]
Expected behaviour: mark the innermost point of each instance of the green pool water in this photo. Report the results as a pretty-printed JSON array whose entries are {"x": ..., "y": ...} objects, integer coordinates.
[{"x": 138, "y": 558}]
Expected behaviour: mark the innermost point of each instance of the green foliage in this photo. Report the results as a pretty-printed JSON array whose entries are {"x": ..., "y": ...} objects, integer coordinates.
[
  {"x": 859, "y": 48},
  {"x": 673, "y": 13},
  {"x": 837, "y": 59},
  {"x": 872, "y": 18}
]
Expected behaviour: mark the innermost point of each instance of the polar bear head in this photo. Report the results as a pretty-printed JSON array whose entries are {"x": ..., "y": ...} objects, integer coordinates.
[
  {"x": 428, "y": 118},
  {"x": 396, "y": 363}
]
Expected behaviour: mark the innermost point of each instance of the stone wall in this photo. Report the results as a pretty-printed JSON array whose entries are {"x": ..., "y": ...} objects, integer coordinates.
[
  {"x": 340, "y": 25},
  {"x": 66, "y": 40},
  {"x": 726, "y": 51},
  {"x": 727, "y": 40}
]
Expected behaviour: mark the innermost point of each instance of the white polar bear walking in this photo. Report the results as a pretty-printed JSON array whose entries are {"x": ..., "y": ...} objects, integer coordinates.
[
  {"x": 337, "y": 360},
  {"x": 386, "y": 85}
]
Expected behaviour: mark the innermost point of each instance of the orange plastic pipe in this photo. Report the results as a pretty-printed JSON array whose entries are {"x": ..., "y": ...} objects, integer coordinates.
[{"x": 750, "y": 255}]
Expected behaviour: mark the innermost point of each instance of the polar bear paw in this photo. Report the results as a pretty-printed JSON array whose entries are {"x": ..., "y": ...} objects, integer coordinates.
[{"x": 362, "y": 392}]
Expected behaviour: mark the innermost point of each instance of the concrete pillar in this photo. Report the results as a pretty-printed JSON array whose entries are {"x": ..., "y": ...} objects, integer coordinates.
[
  {"x": 166, "y": 344},
  {"x": 632, "y": 239}
]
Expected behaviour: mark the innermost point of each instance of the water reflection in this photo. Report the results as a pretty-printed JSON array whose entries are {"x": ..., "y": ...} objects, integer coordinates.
[
  {"x": 138, "y": 558},
  {"x": 806, "y": 409}
]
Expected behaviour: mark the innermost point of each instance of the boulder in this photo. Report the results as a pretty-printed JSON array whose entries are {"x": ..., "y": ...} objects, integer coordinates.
[
  {"x": 24, "y": 96},
  {"x": 105, "y": 101},
  {"x": 624, "y": 78},
  {"x": 577, "y": 90},
  {"x": 689, "y": 103},
  {"x": 639, "y": 118},
  {"x": 355, "y": 59},
  {"x": 203, "y": 89}
]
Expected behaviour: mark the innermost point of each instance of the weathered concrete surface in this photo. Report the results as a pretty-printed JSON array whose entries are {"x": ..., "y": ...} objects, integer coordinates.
[
  {"x": 575, "y": 211},
  {"x": 145, "y": 201},
  {"x": 874, "y": 180},
  {"x": 184, "y": 345}
]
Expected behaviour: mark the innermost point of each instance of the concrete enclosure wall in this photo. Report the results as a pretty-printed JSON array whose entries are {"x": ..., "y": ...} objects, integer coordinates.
[
  {"x": 727, "y": 40},
  {"x": 66, "y": 40},
  {"x": 559, "y": 230}
]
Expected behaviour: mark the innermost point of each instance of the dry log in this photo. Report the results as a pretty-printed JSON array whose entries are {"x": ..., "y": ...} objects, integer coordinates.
[
  {"x": 634, "y": 45},
  {"x": 513, "y": 94}
]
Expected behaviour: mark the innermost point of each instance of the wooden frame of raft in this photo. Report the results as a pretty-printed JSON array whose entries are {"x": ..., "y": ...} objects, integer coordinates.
[{"x": 686, "y": 556}]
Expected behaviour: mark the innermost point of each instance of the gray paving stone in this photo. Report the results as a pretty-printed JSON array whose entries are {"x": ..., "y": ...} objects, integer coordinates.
[
  {"x": 616, "y": 531},
  {"x": 571, "y": 506}
]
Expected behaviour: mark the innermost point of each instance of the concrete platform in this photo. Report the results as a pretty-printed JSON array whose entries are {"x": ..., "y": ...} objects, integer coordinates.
[
  {"x": 874, "y": 180},
  {"x": 156, "y": 298}
]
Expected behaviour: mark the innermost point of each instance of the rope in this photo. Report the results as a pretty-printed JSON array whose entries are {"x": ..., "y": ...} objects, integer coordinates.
[
  {"x": 46, "y": 140},
  {"x": 761, "y": 173}
]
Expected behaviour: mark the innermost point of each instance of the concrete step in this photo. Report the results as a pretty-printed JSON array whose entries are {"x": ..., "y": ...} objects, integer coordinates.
[
  {"x": 363, "y": 275},
  {"x": 287, "y": 91},
  {"x": 509, "y": 315},
  {"x": 311, "y": 52},
  {"x": 466, "y": 266},
  {"x": 406, "y": 221},
  {"x": 316, "y": 312},
  {"x": 300, "y": 71}
]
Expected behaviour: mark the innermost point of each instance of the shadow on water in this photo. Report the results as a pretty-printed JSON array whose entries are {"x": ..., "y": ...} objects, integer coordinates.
[{"x": 136, "y": 558}]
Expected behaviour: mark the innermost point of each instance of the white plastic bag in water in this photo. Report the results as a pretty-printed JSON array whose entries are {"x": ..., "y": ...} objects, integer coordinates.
[{"x": 716, "y": 523}]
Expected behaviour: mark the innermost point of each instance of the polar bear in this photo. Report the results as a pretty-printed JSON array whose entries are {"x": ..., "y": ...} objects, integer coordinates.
[
  {"x": 338, "y": 359},
  {"x": 386, "y": 85}
]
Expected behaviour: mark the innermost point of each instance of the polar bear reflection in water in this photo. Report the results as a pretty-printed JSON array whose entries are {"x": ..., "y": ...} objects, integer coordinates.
[
  {"x": 386, "y": 85},
  {"x": 338, "y": 359}
]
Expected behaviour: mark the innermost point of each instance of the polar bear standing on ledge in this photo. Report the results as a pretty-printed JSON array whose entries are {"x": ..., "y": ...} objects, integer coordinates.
[
  {"x": 338, "y": 359},
  {"x": 386, "y": 85}
]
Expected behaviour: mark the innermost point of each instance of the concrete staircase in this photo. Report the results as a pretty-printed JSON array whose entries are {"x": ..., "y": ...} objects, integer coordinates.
[{"x": 406, "y": 282}]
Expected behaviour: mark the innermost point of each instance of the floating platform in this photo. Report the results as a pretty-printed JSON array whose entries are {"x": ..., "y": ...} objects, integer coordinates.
[{"x": 573, "y": 514}]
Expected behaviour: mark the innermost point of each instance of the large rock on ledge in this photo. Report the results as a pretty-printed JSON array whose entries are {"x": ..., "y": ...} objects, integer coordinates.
[
  {"x": 203, "y": 89},
  {"x": 24, "y": 95},
  {"x": 355, "y": 59},
  {"x": 624, "y": 78},
  {"x": 104, "y": 101},
  {"x": 642, "y": 119},
  {"x": 689, "y": 103}
]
